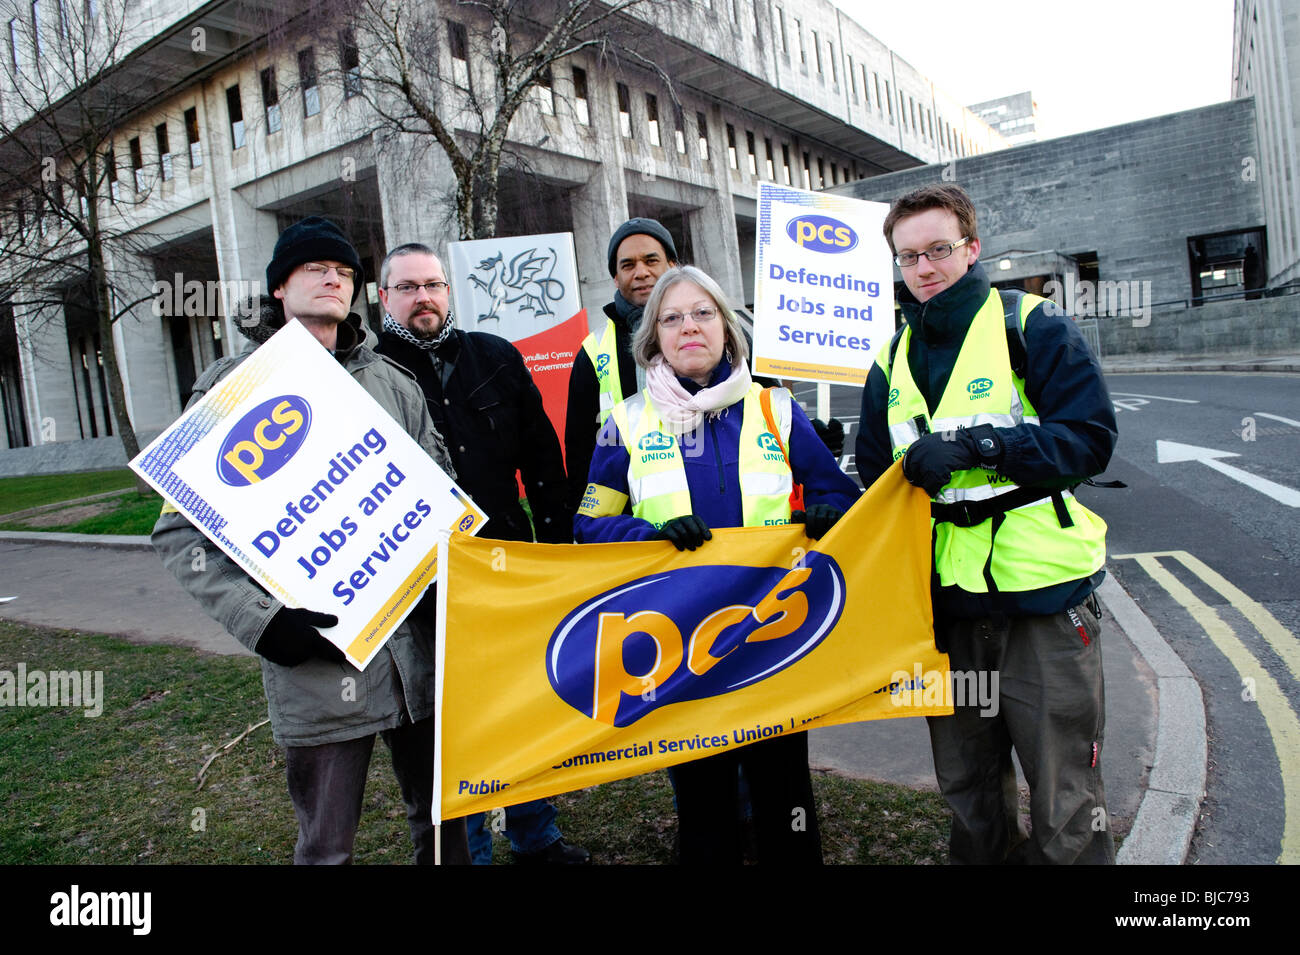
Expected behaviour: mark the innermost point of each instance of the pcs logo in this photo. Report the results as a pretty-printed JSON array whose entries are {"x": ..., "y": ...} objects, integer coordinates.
[
  {"x": 668, "y": 639},
  {"x": 466, "y": 523},
  {"x": 893, "y": 398},
  {"x": 979, "y": 387},
  {"x": 656, "y": 441},
  {"x": 263, "y": 440},
  {"x": 770, "y": 447},
  {"x": 602, "y": 366},
  {"x": 821, "y": 234}
]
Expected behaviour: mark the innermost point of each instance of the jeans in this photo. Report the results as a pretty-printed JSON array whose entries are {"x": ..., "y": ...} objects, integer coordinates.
[{"x": 530, "y": 827}]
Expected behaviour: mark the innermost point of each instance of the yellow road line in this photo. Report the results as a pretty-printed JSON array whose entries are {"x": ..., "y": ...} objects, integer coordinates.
[
  {"x": 1283, "y": 641},
  {"x": 1280, "y": 719}
]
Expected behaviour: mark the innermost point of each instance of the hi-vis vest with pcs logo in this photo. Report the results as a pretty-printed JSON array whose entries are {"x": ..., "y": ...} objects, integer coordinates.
[
  {"x": 1028, "y": 547},
  {"x": 604, "y": 361},
  {"x": 656, "y": 474}
]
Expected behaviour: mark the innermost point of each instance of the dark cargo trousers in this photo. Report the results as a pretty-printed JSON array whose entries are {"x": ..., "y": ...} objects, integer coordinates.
[
  {"x": 327, "y": 783},
  {"x": 1049, "y": 706}
]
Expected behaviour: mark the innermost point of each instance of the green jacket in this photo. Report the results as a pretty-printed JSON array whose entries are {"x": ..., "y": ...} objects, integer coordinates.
[{"x": 313, "y": 703}]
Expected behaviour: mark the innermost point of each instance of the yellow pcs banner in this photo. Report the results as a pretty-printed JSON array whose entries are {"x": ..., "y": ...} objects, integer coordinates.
[{"x": 564, "y": 666}]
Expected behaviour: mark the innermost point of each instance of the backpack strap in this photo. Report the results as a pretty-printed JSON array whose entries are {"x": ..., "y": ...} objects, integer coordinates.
[{"x": 1016, "y": 349}]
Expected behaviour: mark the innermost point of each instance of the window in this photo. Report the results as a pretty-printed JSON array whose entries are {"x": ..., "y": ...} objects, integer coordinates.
[
  {"x": 307, "y": 79},
  {"x": 702, "y": 125},
  {"x": 350, "y": 61},
  {"x": 821, "y": 173},
  {"x": 853, "y": 80},
  {"x": 807, "y": 172},
  {"x": 780, "y": 29},
  {"x": 580, "y": 104},
  {"x": 753, "y": 153},
  {"x": 732, "y": 158},
  {"x": 835, "y": 70},
  {"x": 110, "y": 171},
  {"x": 625, "y": 110},
  {"x": 164, "y": 151},
  {"x": 798, "y": 36},
  {"x": 879, "y": 99},
  {"x": 866, "y": 88},
  {"x": 459, "y": 42},
  {"x": 13, "y": 45},
  {"x": 271, "y": 100},
  {"x": 835, "y": 175},
  {"x": 543, "y": 93},
  {"x": 65, "y": 21},
  {"x": 192, "y": 137},
  {"x": 817, "y": 50},
  {"x": 679, "y": 131},
  {"x": 785, "y": 163},
  {"x": 771, "y": 162},
  {"x": 889, "y": 101},
  {"x": 137, "y": 163},
  {"x": 37, "y": 49},
  {"x": 236, "y": 110},
  {"x": 652, "y": 118}
]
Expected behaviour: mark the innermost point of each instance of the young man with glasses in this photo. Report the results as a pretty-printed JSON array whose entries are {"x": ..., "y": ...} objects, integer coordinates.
[
  {"x": 998, "y": 410},
  {"x": 328, "y": 734},
  {"x": 484, "y": 403}
]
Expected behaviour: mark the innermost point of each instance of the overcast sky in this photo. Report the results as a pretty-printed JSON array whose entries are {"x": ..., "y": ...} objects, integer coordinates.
[{"x": 1088, "y": 65}]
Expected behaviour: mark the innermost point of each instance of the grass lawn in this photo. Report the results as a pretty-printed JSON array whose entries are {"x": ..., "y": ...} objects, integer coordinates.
[
  {"x": 121, "y": 787},
  {"x": 128, "y": 513},
  {"x": 20, "y": 493}
]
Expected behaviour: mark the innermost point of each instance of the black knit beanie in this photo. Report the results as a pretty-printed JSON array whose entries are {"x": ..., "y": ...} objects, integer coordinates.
[
  {"x": 311, "y": 240},
  {"x": 651, "y": 227}
]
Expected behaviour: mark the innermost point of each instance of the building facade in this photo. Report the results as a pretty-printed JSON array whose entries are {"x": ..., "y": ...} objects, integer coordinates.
[{"x": 244, "y": 116}]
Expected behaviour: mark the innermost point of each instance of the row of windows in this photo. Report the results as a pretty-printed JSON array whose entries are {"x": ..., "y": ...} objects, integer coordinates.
[
  {"x": 308, "y": 82},
  {"x": 919, "y": 118},
  {"x": 31, "y": 48}
]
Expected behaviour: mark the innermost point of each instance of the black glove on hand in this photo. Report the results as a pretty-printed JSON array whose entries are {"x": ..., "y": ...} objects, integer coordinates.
[
  {"x": 817, "y": 520},
  {"x": 686, "y": 532},
  {"x": 930, "y": 460},
  {"x": 832, "y": 435},
  {"x": 292, "y": 638}
]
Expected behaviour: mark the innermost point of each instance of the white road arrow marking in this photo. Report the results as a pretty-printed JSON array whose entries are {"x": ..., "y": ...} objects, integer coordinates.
[
  {"x": 1129, "y": 404},
  {"x": 1171, "y": 452}
]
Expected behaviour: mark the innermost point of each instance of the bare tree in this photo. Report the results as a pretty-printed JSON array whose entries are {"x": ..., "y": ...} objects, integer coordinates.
[
  {"x": 67, "y": 217},
  {"x": 395, "y": 54}
]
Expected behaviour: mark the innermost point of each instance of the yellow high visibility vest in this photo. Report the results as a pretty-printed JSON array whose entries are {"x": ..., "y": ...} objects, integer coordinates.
[
  {"x": 1030, "y": 546},
  {"x": 656, "y": 474},
  {"x": 604, "y": 359}
]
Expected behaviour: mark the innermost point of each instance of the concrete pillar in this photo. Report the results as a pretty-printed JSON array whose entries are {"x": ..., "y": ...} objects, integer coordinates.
[
  {"x": 142, "y": 352},
  {"x": 50, "y": 386},
  {"x": 713, "y": 224},
  {"x": 417, "y": 190}
]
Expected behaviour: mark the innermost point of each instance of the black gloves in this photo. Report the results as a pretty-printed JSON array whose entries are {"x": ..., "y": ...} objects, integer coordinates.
[
  {"x": 686, "y": 532},
  {"x": 291, "y": 638},
  {"x": 832, "y": 435},
  {"x": 930, "y": 460},
  {"x": 817, "y": 520}
]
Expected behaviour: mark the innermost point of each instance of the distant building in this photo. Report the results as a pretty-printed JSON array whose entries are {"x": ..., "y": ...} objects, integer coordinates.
[{"x": 1014, "y": 116}]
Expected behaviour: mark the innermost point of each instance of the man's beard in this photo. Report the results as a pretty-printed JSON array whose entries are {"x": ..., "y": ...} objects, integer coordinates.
[{"x": 423, "y": 330}]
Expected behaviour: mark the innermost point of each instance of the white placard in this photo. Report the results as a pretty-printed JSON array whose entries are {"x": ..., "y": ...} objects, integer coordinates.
[
  {"x": 514, "y": 286},
  {"x": 298, "y": 474},
  {"x": 823, "y": 286}
]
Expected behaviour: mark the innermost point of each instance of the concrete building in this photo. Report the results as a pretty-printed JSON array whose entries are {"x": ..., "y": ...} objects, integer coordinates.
[
  {"x": 242, "y": 119},
  {"x": 1266, "y": 66},
  {"x": 1014, "y": 116}
]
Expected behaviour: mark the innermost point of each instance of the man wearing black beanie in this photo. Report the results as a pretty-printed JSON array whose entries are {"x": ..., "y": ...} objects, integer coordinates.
[
  {"x": 604, "y": 372},
  {"x": 323, "y": 712}
]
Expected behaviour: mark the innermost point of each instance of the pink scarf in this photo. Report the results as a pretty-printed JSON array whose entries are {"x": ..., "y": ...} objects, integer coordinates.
[{"x": 682, "y": 411}]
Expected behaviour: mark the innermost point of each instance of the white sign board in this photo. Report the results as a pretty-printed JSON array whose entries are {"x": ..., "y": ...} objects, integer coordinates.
[
  {"x": 514, "y": 287},
  {"x": 823, "y": 286},
  {"x": 293, "y": 470}
]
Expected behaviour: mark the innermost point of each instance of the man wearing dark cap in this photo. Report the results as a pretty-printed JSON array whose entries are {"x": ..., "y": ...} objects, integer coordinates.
[
  {"x": 323, "y": 712},
  {"x": 604, "y": 372}
]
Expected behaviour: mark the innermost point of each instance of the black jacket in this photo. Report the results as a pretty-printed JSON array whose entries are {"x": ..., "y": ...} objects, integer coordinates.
[{"x": 490, "y": 413}]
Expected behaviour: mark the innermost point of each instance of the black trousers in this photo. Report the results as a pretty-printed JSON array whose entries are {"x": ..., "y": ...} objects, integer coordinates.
[
  {"x": 780, "y": 790},
  {"x": 327, "y": 783}
]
